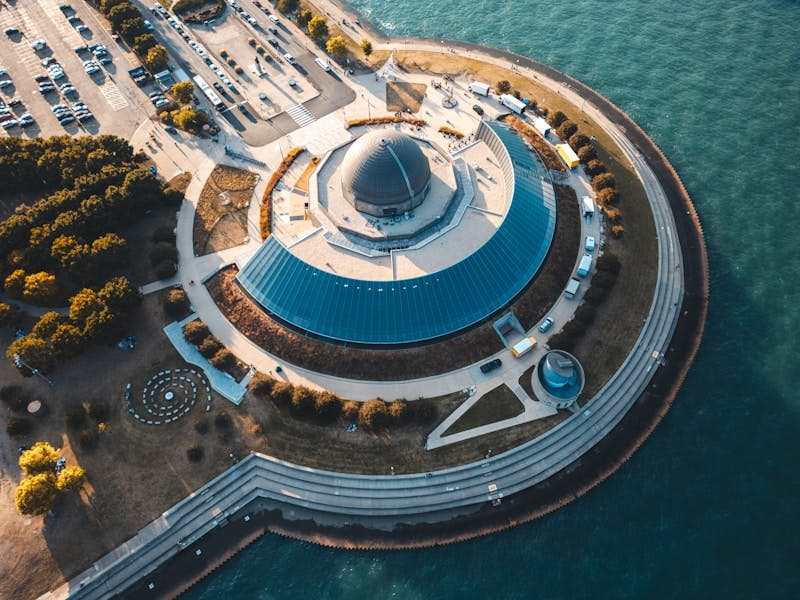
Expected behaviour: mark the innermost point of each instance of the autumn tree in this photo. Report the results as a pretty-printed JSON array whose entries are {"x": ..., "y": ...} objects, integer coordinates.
[
  {"x": 556, "y": 118},
  {"x": 121, "y": 13},
  {"x": 603, "y": 181},
  {"x": 36, "y": 495},
  {"x": 157, "y": 58},
  {"x": 40, "y": 288},
  {"x": 566, "y": 130},
  {"x": 70, "y": 479},
  {"x": 336, "y": 47},
  {"x": 143, "y": 43},
  {"x": 183, "y": 91},
  {"x": 33, "y": 351},
  {"x": 318, "y": 28},
  {"x": 288, "y": 6},
  {"x": 39, "y": 458},
  {"x": 14, "y": 283},
  {"x": 188, "y": 118},
  {"x": 303, "y": 17},
  {"x": 374, "y": 415}
]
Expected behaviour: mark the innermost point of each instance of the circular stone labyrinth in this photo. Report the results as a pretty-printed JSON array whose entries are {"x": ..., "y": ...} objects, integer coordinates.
[{"x": 169, "y": 395}]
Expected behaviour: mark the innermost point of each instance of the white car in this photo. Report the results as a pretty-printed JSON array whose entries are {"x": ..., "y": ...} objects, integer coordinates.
[
  {"x": 589, "y": 243},
  {"x": 161, "y": 102},
  {"x": 39, "y": 45},
  {"x": 81, "y": 28},
  {"x": 5, "y": 83},
  {"x": 148, "y": 25},
  {"x": 10, "y": 123},
  {"x": 289, "y": 59},
  {"x": 274, "y": 19}
]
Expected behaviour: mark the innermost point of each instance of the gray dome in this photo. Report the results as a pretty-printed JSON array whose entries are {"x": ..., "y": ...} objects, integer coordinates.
[{"x": 385, "y": 173}]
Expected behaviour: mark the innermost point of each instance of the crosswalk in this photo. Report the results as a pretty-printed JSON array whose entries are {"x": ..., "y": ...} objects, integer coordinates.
[{"x": 301, "y": 115}]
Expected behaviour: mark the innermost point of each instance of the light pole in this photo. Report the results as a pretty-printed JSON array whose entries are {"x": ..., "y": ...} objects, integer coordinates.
[
  {"x": 442, "y": 46},
  {"x": 19, "y": 363}
]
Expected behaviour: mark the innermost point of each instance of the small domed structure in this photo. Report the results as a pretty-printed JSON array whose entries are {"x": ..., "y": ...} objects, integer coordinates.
[
  {"x": 558, "y": 379},
  {"x": 385, "y": 173}
]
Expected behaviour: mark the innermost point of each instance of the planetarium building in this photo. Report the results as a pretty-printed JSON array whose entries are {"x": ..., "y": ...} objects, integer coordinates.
[{"x": 385, "y": 174}]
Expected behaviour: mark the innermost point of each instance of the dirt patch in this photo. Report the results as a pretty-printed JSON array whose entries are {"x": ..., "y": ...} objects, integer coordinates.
[
  {"x": 302, "y": 181},
  {"x": 408, "y": 363},
  {"x": 220, "y": 220},
  {"x": 404, "y": 97},
  {"x": 496, "y": 405}
]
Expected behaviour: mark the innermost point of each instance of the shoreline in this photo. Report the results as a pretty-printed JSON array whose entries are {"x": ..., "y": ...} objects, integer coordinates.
[{"x": 591, "y": 469}]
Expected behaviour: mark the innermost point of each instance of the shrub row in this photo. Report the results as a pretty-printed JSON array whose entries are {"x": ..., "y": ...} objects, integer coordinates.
[
  {"x": 326, "y": 407},
  {"x": 126, "y": 19},
  {"x": 386, "y": 120},
  {"x": 450, "y": 131},
  {"x": 265, "y": 219},
  {"x": 197, "y": 333},
  {"x": 548, "y": 155}
]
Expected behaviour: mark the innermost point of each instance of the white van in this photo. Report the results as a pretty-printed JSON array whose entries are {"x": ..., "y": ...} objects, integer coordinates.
[{"x": 323, "y": 63}]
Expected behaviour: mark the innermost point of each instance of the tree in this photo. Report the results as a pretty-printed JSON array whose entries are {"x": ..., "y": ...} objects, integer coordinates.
[
  {"x": 163, "y": 251},
  {"x": 261, "y": 385},
  {"x": 503, "y": 86},
  {"x": 109, "y": 253},
  {"x": 282, "y": 393},
  {"x": 121, "y": 13},
  {"x": 40, "y": 288},
  {"x": 33, "y": 351},
  {"x": 70, "y": 479},
  {"x": 303, "y": 402},
  {"x": 66, "y": 341},
  {"x": 366, "y": 47},
  {"x": 336, "y": 47},
  {"x": 130, "y": 29},
  {"x": 603, "y": 181},
  {"x": 318, "y": 28},
  {"x": 120, "y": 295},
  {"x": 566, "y": 130},
  {"x": 328, "y": 407},
  {"x": 188, "y": 118},
  {"x": 556, "y": 118},
  {"x": 47, "y": 324},
  {"x": 209, "y": 346},
  {"x": 40, "y": 458},
  {"x": 578, "y": 141},
  {"x": 374, "y": 415},
  {"x": 303, "y": 17},
  {"x": 36, "y": 495},
  {"x": 15, "y": 283},
  {"x": 157, "y": 58},
  {"x": 140, "y": 189},
  {"x": 223, "y": 359},
  {"x": 607, "y": 196},
  {"x": 595, "y": 167},
  {"x": 195, "y": 332},
  {"x": 194, "y": 452},
  {"x": 399, "y": 411},
  {"x": 183, "y": 91},
  {"x": 176, "y": 303},
  {"x": 587, "y": 153},
  {"x": 288, "y": 6},
  {"x": 143, "y": 43},
  {"x": 9, "y": 314},
  {"x": 166, "y": 269}
]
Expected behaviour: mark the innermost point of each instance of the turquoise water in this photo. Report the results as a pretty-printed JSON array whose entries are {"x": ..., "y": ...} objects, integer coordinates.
[{"x": 708, "y": 507}]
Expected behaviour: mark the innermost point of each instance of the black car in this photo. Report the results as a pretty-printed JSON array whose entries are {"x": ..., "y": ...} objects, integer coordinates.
[
  {"x": 491, "y": 365},
  {"x": 477, "y": 109}
]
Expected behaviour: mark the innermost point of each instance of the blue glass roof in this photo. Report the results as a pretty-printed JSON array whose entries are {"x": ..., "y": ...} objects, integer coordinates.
[{"x": 422, "y": 308}]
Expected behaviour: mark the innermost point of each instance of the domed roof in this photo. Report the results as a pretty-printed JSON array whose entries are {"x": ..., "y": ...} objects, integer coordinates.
[
  {"x": 559, "y": 370},
  {"x": 384, "y": 168}
]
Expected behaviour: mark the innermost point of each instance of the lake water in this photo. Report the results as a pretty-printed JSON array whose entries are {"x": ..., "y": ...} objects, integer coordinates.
[{"x": 708, "y": 507}]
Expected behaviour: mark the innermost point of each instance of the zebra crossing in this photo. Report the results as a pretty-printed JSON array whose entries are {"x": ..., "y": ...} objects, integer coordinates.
[{"x": 300, "y": 115}]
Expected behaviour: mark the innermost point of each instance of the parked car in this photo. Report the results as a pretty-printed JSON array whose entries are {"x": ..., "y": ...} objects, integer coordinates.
[
  {"x": 81, "y": 28},
  {"x": 14, "y": 102},
  {"x": 39, "y": 45},
  {"x": 11, "y": 123},
  {"x": 5, "y": 83},
  {"x": 491, "y": 365},
  {"x": 477, "y": 108},
  {"x": 81, "y": 48},
  {"x": 274, "y": 19},
  {"x": 273, "y": 42},
  {"x": 546, "y": 324},
  {"x": 590, "y": 243},
  {"x": 10, "y": 31},
  {"x": 290, "y": 59},
  {"x": 26, "y": 120}
]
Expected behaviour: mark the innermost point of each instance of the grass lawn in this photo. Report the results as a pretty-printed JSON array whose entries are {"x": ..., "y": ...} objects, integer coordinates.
[
  {"x": 181, "y": 182},
  {"x": 496, "y": 405},
  {"x": 220, "y": 220},
  {"x": 402, "y": 96}
]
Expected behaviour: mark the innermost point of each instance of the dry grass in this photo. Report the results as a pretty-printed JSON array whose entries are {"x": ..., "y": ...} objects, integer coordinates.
[
  {"x": 220, "y": 220},
  {"x": 404, "y": 97},
  {"x": 545, "y": 151},
  {"x": 181, "y": 182},
  {"x": 302, "y": 181},
  {"x": 496, "y": 405}
]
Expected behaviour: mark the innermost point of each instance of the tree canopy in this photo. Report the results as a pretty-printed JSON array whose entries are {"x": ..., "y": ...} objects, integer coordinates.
[{"x": 336, "y": 47}]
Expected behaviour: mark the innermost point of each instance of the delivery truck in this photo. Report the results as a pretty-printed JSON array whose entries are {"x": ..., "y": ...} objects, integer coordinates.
[
  {"x": 572, "y": 288},
  {"x": 568, "y": 155},
  {"x": 523, "y": 347},
  {"x": 512, "y": 103},
  {"x": 585, "y": 265},
  {"x": 476, "y": 87}
]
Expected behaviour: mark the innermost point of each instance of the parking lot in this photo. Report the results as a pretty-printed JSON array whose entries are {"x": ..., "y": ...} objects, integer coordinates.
[{"x": 114, "y": 103}]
